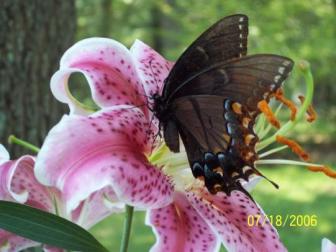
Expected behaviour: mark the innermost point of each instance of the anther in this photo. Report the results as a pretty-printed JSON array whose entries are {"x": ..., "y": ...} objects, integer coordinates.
[
  {"x": 294, "y": 146},
  {"x": 325, "y": 169},
  {"x": 311, "y": 113},
  {"x": 266, "y": 110},
  {"x": 280, "y": 97}
]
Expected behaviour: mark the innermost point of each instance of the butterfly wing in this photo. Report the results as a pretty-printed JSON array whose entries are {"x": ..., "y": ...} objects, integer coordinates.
[
  {"x": 247, "y": 80},
  {"x": 210, "y": 127},
  {"x": 225, "y": 40},
  {"x": 211, "y": 122}
]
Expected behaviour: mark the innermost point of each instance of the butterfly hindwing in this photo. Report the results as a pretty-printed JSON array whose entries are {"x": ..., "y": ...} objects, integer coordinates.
[
  {"x": 209, "y": 125},
  {"x": 213, "y": 123}
]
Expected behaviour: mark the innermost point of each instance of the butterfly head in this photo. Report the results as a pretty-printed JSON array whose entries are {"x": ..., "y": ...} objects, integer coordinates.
[{"x": 160, "y": 108}]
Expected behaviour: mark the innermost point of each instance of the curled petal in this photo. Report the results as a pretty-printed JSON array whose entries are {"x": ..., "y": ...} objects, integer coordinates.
[
  {"x": 229, "y": 216},
  {"x": 151, "y": 66},
  {"x": 178, "y": 227},
  {"x": 4, "y": 155},
  {"x": 109, "y": 69},
  {"x": 12, "y": 243},
  {"x": 19, "y": 184},
  {"x": 328, "y": 246},
  {"x": 82, "y": 155},
  {"x": 96, "y": 207}
]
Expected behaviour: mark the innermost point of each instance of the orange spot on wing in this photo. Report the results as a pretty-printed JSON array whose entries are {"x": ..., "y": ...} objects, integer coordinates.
[
  {"x": 237, "y": 108},
  {"x": 325, "y": 169},
  {"x": 311, "y": 113},
  {"x": 266, "y": 110},
  {"x": 280, "y": 97},
  {"x": 294, "y": 146}
]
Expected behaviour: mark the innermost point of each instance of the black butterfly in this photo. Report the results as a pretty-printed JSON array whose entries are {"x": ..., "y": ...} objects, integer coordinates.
[{"x": 210, "y": 99}]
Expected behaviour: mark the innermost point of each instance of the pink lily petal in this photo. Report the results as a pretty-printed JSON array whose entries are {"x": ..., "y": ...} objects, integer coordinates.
[
  {"x": 228, "y": 216},
  {"x": 96, "y": 207},
  {"x": 178, "y": 227},
  {"x": 151, "y": 66},
  {"x": 4, "y": 155},
  {"x": 109, "y": 69},
  {"x": 328, "y": 246},
  {"x": 19, "y": 184},
  {"x": 252, "y": 183},
  {"x": 82, "y": 155},
  {"x": 12, "y": 243}
]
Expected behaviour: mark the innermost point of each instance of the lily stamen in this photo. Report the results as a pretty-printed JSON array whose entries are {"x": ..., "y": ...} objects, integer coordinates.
[
  {"x": 279, "y": 95},
  {"x": 267, "y": 153},
  {"x": 311, "y": 113},
  {"x": 325, "y": 169},
  {"x": 294, "y": 146},
  {"x": 269, "y": 115}
]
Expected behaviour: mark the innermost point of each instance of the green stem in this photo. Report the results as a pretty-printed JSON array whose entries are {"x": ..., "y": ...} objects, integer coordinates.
[
  {"x": 305, "y": 69},
  {"x": 14, "y": 140},
  {"x": 127, "y": 228}
]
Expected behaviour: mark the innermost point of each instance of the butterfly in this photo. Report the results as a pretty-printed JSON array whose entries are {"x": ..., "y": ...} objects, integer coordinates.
[{"x": 210, "y": 99}]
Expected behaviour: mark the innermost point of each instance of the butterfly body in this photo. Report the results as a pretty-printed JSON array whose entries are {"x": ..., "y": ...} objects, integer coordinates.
[{"x": 210, "y": 99}]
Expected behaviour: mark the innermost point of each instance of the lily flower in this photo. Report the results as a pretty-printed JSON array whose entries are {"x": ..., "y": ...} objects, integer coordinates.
[
  {"x": 267, "y": 137},
  {"x": 115, "y": 147},
  {"x": 18, "y": 184},
  {"x": 328, "y": 246}
]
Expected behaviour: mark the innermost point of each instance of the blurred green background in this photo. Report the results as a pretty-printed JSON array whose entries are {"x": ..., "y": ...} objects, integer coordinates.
[{"x": 297, "y": 29}]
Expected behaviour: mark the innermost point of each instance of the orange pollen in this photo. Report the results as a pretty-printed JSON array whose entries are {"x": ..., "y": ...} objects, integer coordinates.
[
  {"x": 294, "y": 146},
  {"x": 279, "y": 95},
  {"x": 311, "y": 113},
  {"x": 325, "y": 169},
  {"x": 266, "y": 110}
]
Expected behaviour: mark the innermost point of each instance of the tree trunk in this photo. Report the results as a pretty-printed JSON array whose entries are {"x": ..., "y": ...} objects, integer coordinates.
[
  {"x": 156, "y": 23},
  {"x": 33, "y": 36},
  {"x": 106, "y": 18}
]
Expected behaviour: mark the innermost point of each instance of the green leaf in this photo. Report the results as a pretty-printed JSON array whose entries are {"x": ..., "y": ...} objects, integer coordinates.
[{"x": 46, "y": 228}]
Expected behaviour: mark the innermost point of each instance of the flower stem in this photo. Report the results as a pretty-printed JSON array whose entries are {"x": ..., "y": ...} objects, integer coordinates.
[
  {"x": 127, "y": 228},
  {"x": 14, "y": 140}
]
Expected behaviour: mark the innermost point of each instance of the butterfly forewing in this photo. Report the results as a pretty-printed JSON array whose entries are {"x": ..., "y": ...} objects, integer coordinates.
[
  {"x": 225, "y": 40},
  {"x": 246, "y": 80}
]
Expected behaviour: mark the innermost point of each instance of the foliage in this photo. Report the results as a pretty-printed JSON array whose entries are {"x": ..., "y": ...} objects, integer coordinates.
[{"x": 298, "y": 29}]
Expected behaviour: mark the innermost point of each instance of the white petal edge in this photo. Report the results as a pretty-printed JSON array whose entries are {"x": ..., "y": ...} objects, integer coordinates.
[{"x": 4, "y": 155}]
